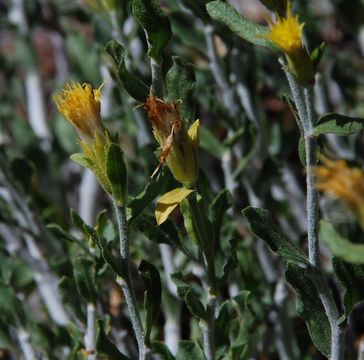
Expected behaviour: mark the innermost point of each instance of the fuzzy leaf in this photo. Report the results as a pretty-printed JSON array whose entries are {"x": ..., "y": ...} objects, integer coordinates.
[
  {"x": 188, "y": 350},
  {"x": 181, "y": 82},
  {"x": 309, "y": 306},
  {"x": 153, "y": 188},
  {"x": 263, "y": 226},
  {"x": 338, "y": 124},
  {"x": 155, "y": 24},
  {"x": 240, "y": 25},
  {"x": 152, "y": 295},
  {"x": 84, "y": 273},
  {"x": 104, "y": 347},
  {"x": 116, "y": 173},
  {"x": 136, "y": 88},
  {"x": 195, "y": 305}
]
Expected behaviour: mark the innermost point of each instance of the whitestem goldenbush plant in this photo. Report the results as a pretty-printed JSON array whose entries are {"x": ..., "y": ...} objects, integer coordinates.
[{"x": 223, "y": 291}]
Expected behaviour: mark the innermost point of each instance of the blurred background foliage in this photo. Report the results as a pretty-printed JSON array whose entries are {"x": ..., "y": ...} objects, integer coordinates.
[{"x": 248, "y": 145}]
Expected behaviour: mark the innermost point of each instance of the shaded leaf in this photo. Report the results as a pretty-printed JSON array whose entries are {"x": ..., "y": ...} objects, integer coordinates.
[
  {"x": 104, "y": 347},
  {"x": 263, "y": 226},
  {"x": 188, "y": 350},
  {"x": 195, "y": 305},
  {"x": 84, "y": 273},
  {"x": 162, "y": 350},
  {"x": 136, "y": 88},
  {"x": 117, "y": 173},
  {"x": 309, "y": 306},
  {"x": 181, "y": 82},
  {"x": 152, "y": 295},
  {"x": 338, "y": 124},
  {"x": 351, "y": 277},
  {"x": 155, "y": 24}
]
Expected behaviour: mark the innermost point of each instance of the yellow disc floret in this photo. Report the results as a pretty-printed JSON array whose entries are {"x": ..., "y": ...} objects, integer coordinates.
[
  {"x": 339, "y": 180},
  {"x": 80, "y": 105},
  {"x": 286, "y": 33}
]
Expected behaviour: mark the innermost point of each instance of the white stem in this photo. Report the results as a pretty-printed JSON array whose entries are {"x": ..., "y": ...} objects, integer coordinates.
[
  {"x": 47, "y": 286},
  {"x": 25, "y": 345},
  {"x": 90, "y": 335},
  {"x": 36, "y": 108},
  {"x": 88, "y": 191}
]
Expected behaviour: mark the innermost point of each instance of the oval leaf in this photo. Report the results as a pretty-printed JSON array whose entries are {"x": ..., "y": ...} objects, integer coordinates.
[
  {"x": 338, "y": 124},
  {"x": 240, "y": 25}
]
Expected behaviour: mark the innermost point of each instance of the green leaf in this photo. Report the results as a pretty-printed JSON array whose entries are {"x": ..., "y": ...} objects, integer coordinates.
[
  {"x": 302, "y": 150},
  {"x": 240, "y": 25},
  {"x": 81, "y": 160},
  {"x": 351, "y": 277},
  {"x": 162, "y": 350},
  {"x": 338, "y": 124},
  {"x": 230, "y": 264},
  {"x": 195, "y": 305},
  {"x": 154, "y": 188},
  {"x": 210, "y": 143},
  {"x": 61, "y": 233},
  {"x": 165, "y": 233},
  {"x": 182, "y": 286},
  {"x": 155, "y": 24},
  {"x": 6, "y": 341},
  {"x": 340, "y": 247},
  {"x": 188, "y": 350},
  {"x": 78, "y": 222},
  {"x": 309, "y": 306},
  {"x": 104, "y": 347},
  {"x": 67, "y": 290},
  {"x": 119, "y": 266},
  {"x": 223, "y": 322},
  {"x": 263, "y": 226},
  {"x": 181, "y": 82},
  {"x": 117, "y": 173},
  {"x": 136, "y": 88},
  {"x": 11, "y": 309},
  {"x": 84, "y": 273},
  {"x": 219, "y": 206},
  {"x": 152, "y": 295},
  {"x": 316, "y": 55}
]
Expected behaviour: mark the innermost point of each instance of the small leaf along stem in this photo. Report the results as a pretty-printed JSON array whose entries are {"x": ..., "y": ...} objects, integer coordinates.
[
  {"x": 303, "y": 98},
  {"x": 127, "y": 283}
]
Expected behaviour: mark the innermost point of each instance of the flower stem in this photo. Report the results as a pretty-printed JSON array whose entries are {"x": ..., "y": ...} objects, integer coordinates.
[
  {"x": 90, "y": 335},
  {"x": 127, "y": 283},
  {"x": 206, "y": 243},
  {"x": 303, "y": 98}
]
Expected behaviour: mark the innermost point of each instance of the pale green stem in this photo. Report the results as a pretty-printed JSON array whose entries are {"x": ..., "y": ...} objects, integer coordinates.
[
  {"x": 304, "y": 102},
  {"x": 208, "y": 326},
  {"x": 127, "y": 283}
]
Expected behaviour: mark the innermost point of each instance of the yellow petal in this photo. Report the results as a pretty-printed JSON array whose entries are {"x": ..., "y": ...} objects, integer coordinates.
[
  {"x": 194, "y": 133},
  {"x": 168, "y": 202}
]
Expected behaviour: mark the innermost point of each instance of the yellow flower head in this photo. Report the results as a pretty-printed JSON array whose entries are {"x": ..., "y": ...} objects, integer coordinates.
[
  {"x": 339, "y": 180},
  {"x": 179, "y": 147},
  {"x": 286, "y": 33},
  {"x": 80, "y": 105}
]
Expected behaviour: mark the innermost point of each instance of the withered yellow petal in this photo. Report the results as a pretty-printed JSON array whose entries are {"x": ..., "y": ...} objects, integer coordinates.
[
  {"x": 194, "y": 133},
  {"x": 168, "y": 202}
]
